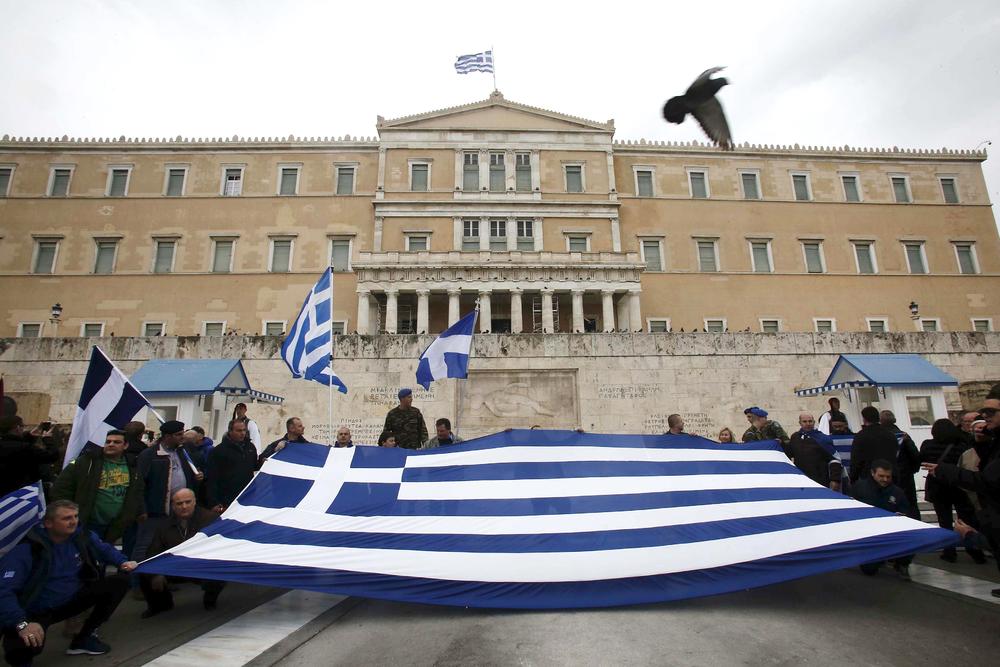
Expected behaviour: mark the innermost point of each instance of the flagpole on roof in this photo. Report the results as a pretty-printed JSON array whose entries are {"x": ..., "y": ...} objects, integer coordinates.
[{"x": 493, "y": 54}]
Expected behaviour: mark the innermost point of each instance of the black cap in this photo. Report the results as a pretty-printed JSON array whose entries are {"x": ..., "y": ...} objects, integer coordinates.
[{"x": 171, "y": 427}]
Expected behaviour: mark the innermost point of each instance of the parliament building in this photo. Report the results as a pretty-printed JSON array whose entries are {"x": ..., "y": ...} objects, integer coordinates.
[{"x": 545, "y": 219}]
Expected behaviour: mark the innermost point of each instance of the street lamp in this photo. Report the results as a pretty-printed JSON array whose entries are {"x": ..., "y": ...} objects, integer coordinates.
[
  {"x": 914, "y": 311},
  {"x": 57, "y": 310}
]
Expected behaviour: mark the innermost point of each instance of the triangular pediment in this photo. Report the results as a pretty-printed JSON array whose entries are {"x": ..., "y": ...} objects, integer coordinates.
[{"x": 495, "y": 113}]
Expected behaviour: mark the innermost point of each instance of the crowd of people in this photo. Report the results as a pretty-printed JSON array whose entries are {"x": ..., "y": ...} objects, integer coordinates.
[{"x": 153, "y": 495}]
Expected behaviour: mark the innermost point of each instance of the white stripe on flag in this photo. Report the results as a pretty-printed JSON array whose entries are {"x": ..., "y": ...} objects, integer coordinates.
[
  {"x": 557, "y": 454},
  {"x": 321, "y": 495}
]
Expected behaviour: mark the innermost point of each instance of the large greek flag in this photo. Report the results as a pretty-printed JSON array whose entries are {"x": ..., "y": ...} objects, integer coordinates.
[
  {"x": 19, "y": 511},
  {"x": 107, "y": 401},
  {"x": 474, "y": 62},
  {"x": 540, "y": 519},
  {"x": 307, "y": 348},
  {"x": 448, "y": 355}
]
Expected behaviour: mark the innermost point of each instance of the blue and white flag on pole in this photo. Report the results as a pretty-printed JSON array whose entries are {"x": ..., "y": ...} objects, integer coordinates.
[
  {"x": 307, "y": 348},
  {"x": 475, "y": 62},
  {"x": 540, "y": 520},
  {"x": 19, "y": 511},
  {"x": 108, "y": 401},
  {"x": 448, "y": 355}
]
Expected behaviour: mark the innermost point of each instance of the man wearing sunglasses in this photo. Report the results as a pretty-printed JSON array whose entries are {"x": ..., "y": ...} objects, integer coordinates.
[{"x": 986, "y": 481}]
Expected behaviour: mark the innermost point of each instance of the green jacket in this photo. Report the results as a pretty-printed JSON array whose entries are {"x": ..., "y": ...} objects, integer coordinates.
[
  {"x": 408, "y": 426},
  {"x": 772, "y": 431},
  {"x": 79, "y": 481}
]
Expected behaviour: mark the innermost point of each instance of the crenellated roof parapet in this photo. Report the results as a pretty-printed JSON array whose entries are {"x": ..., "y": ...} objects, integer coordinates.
[
  {"x": 234, "y": 142},
  {"x": 795, "y": 150}
]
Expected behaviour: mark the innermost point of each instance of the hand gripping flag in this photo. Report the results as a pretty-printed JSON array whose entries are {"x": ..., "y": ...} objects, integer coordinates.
[
  {"x": 540, "y": 520},
  {"x": 448, "y": 355},
  {"x": 309, "y": 344},
  {"x": 108, "y": 401},
  {"x": 19, "y": 511}
]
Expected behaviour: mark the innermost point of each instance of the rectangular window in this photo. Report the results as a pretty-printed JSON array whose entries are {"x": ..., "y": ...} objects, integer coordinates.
[
  {"x": 644, "y": 182},
  {"x": 698, "y": 182},
  {"x": 770, "y": 326},
  {"x": 877, "y": 325},
  {"x": 915, "y": 257},
  {"x": 338, "y": 327},
  {"x": 470, "y": 234},
  {"x": 920, "y": 410},
  {"x": 92, "y": 329},
  {"x": 345, "y": 180},
  {"x": 652, "y": 255},
  {"x": 213, "y": 328},
  {"x": 715, "y": 326},
  {"x": 232, "y": 184},
  {"x": 708, "y": 256},
  {"x": 289, "y": 184},
  {"x": 984, "y": 325},
  {"x": 498, "y": 235},
  {"x": 273, "y": 328},
  {"x": 419, "y": 181},
  {"x": 929, "y": 324},
  {"x": 498, "y": 176},
  {"x": 45, "y": 256},
  {"x": 760, "y": 253},
  {"x": 659, "y": 326},
  {"x": 118, "y": 182},
  {"x": 281, "y": 255},
  {"x": 164, "y": 259},
  {"x": 5, "y": 177},
  {"x": 175, "y": 182},
  {"x": 526, "y": 235},
  {"x": 416, "y": 243},
  {"x": 59, "y": 186},
  {"x": 825, "y": 326},
  {"x": 340, "y": 254},
  {"x": 900, "y": 189},
  {"x": 574, "y": 178},
  {"x": 104, "y": 260},
  {"x": 522, "y": 172},
  {"x": 966, "y": 254},
  {"x": 948, "y": 189},
  {"x": 470, "y": 172},
  {"x": 751, "y": 184},
  {"x": 29, "y": 330},
  {"x": 814, "y": 256},
  {"x": 852, "y": 191},
  {"x": 800, "y": 184},
  {"x": 153, "y": 329},
  {"x": 577, "y": 243},
  {"x": 222, "y": 255},
  {"x": 864, "y": 253}
]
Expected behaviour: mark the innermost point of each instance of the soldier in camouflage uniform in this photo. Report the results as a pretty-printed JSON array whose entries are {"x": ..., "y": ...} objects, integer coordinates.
[
  {"x": 406, "y": 422},
  {"x": 762, "y": 428}
]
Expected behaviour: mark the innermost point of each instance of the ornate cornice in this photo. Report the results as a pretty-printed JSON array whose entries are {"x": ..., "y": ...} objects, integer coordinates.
[
  {"x": 235, "y": 142},
  {"x": 860, "y": 152}
]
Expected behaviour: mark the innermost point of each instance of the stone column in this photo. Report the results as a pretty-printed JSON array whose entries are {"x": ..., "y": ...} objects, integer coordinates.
[
  {"x": 453, "y": 306},
  {"x": 390, "y": 311},
  {"x": 364, "y": 310},
  {"x": 422, "y": 296},
  {"x": 377, "y": 234},
  {"x": 548, "y": 326},
  {"x": 623, "y": 323},
  {"x": 516, "y": 319},
  {"x": 634, "y": 313},
  {"x": 577, "y": 311},
  {"x": 608, "y": 307},
  {"x": 616, "y": 235},
  {"x": 485, "y": 311}
]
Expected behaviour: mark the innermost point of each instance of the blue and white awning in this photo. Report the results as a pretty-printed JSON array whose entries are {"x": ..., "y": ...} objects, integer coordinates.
[
  {"x": 881, "y": 370},
  {"x": 814, "y": 391}
]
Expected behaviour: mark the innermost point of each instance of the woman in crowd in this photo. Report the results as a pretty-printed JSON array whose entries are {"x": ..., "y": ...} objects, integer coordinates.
[{"x": 726, "y": 436}]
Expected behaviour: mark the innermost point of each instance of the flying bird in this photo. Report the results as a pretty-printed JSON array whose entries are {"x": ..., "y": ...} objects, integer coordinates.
[{"x": 699, "y": 101}]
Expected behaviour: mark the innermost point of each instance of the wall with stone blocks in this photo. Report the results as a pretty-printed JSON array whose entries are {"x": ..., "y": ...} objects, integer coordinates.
[{"x": 599, "y": 382}]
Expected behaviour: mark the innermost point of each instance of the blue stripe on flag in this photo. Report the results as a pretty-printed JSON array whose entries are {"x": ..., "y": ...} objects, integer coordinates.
[
  {"x": 307, "y": 348},
  {"x": 566, "y": 469},
  {"x": 378, "y": 499},
  {"x": 98, "y": 373},
  {"x": 306, "y": 454},
  {"x": 275, "y": 491}
]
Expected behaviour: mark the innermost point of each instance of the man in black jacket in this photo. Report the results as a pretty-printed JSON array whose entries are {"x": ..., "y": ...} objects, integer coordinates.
[
  {"x": 877, "y": 490},
  {"x": 873, "y": 442},
  {"x": 22, "y": 454},
  {"x": 907, "y": 461},
  {"x": 230, "y": 467},
  {"x": 294, "y": 431},
  {"x": 813, "y": 453}
]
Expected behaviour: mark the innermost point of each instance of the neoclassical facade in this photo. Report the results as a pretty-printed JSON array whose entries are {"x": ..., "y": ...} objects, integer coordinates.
[{"x": 544, "y": 219}]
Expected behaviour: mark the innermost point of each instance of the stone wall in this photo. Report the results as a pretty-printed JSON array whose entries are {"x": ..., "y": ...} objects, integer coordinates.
[{"x": 599, "y": 382}]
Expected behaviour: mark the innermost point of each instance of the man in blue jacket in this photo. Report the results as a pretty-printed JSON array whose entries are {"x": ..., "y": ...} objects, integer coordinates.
[{"x": 55, "y": 573}]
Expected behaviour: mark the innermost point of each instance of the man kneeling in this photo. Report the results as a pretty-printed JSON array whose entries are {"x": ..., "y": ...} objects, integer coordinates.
[
  {"x": 55, "y": 573},
  {"x": 186, "y": 520},
  {"x": 879, "y": 491}
]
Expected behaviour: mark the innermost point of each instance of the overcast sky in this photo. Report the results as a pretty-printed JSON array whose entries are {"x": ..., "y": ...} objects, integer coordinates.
[{"x": 888, "y": 73}]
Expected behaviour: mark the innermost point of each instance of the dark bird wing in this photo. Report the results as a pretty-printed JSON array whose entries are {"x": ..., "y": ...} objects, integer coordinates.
[
  {"x": 712, "y": 119},
  {"x": 704, "y": 77}
]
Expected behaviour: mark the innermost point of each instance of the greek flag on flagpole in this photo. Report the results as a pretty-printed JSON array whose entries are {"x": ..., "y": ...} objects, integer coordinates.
[
  {"x": 540, "y": 520},
  {"x": 108, "y": 401},
  {"x": 19, "y": 511},
  {"x": 448, "y": 355},
  {"x": 307, "y": 348},
  {"x": 475, "y": 62}
]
